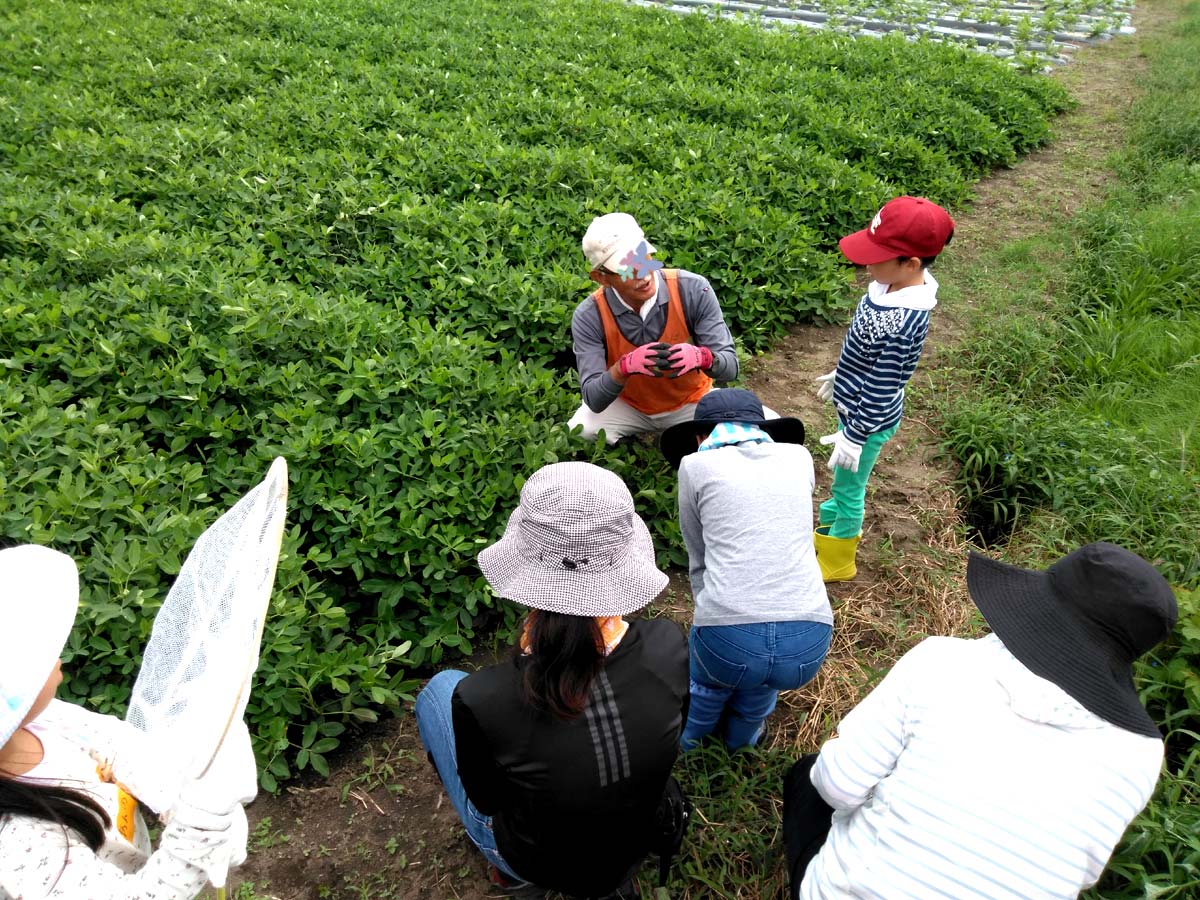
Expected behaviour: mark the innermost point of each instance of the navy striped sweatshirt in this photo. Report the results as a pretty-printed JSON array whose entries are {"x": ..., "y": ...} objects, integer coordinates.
[{"x": 879, "y": 355}]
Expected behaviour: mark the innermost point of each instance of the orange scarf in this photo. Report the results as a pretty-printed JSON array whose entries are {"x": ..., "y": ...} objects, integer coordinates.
[{"x": 612, "y": 629}]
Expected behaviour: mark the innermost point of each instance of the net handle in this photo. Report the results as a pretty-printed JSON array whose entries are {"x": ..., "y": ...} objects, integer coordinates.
[{"x": 276, "y": 498}]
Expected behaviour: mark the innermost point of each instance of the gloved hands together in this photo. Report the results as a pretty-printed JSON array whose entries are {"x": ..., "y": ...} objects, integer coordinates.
[
  {"x": 147, "y": 771},
  {"x": 659, "y": 359},
  {"x": 648, "y": 359},
  {"x": 825, "y": 386},
  {"x": 684, "y": 358},
  {"x": 845, "y": 453}
]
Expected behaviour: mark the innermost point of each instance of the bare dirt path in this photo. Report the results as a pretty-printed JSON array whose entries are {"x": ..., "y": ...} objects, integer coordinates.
[{"x": 380, "y": 828}]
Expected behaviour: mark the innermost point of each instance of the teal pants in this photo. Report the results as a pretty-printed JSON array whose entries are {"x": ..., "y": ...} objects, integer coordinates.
[{"x": 843, "y": 512}]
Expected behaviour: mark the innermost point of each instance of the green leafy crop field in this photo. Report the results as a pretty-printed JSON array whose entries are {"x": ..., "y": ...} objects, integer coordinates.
[
  {"x": 348, "y": 234},
  {"x": 1027, "y": 33}
]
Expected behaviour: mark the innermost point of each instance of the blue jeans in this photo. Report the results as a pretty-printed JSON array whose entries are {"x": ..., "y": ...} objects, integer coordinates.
[
  {"x": 436, "y": 727},
  {"x": 738, "y": 671}
]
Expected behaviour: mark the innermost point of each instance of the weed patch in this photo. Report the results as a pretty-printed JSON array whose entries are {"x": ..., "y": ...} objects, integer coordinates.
[{"x": 1084, "y": 428}]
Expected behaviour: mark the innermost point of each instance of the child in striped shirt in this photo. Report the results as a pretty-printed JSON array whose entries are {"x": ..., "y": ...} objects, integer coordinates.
[{"x": 878, "y": 357}]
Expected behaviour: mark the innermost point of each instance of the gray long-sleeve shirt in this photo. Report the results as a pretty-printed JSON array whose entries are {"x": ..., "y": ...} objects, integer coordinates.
[
  {"x": 701, "y": 312},
  {"x": 747, "y": 520}
]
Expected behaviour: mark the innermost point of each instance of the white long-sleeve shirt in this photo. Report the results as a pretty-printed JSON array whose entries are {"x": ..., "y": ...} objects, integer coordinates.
[
  {"x": 40, "y": 859},
  {"x": 963, "y": 775}
]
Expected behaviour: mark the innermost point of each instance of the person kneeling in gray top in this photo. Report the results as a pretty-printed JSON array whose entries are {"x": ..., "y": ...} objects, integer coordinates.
[
  {"x": 649, "y": 342},
  {"x": 762, "y": 620}
]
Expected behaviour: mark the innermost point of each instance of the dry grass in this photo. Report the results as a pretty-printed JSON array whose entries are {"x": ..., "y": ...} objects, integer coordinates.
[{"x": 877, "y": 620}]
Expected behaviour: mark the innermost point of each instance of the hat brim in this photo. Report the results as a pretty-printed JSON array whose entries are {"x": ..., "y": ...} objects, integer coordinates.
[
  {"x": 613, "y": 261},
  {"x": 679, "y": 440},
  {"x": 623, "y": 587},
  {"x": 1023, "y": 610},
  {"x": 862, "y": 250},
  {"x": 41, "y": 589}
]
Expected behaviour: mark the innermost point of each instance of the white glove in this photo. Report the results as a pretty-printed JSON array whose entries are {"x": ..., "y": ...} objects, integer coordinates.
[
  {"x": 144, "y": 767},
  {"x": 825, "y": 386},
  {"x": 845, "y": 452},
  {"x": 213, "y": 841}
]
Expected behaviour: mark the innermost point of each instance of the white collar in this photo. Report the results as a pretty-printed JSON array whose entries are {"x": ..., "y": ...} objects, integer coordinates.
[
  {"x": 649, "y": 305},
  {"x": 919, "y": 296},
  {"x": 1032, "y": 697}
]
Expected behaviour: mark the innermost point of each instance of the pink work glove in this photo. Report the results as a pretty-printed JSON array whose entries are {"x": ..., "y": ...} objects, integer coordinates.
[
  {"x": 684, "y": 358},
  {"x": 648, "y": 359}
]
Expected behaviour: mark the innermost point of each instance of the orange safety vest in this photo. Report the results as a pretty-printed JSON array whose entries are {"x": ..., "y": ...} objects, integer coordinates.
[{"x": 655, "y": 395}]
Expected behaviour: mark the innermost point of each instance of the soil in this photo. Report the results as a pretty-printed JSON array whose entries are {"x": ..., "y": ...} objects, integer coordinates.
[{"x": 381, "y": 827}]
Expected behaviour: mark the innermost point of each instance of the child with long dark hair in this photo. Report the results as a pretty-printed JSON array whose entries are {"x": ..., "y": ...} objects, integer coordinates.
[
  {"x": 557, "y": 759},
  {"x": 65, "y": 833}
]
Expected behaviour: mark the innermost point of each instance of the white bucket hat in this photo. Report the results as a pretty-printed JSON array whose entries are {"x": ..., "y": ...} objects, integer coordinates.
[
  {"x": 611, "y": 238},
  {"x": 575, "y": 545},
  {"x": 39, "y": 594}
]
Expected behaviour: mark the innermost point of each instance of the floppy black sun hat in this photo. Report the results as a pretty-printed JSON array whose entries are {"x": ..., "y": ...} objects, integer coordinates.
[
  {"x": 1081, "y": 623},
  {"x": 726, "y": 405}
]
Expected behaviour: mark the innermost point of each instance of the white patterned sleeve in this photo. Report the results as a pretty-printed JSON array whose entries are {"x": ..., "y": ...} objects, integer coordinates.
[
  {"x": 869, "y": 739},
  {"x": 41, "y": 860}
]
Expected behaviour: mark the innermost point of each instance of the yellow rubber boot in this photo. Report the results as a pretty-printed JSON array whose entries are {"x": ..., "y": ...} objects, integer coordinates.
[{"x": 836, "y": 555}]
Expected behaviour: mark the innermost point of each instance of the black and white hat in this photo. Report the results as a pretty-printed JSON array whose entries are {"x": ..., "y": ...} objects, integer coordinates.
[{"x": 575, "y": 545}]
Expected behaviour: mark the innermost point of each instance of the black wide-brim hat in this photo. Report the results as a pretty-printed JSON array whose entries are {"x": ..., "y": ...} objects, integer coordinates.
[
  {"x": 1081, "y": 623},
  {"x": 726, "y": 405}
]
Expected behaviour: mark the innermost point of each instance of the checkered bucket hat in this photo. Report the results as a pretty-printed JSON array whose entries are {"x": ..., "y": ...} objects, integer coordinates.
[{"x": 575, "y": 545}]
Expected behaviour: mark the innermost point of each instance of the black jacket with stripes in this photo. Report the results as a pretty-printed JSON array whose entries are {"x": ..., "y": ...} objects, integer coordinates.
[{"x": 573, "y": 802}]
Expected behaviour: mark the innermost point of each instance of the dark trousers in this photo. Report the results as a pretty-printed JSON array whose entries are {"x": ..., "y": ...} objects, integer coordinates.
[{"x": 806, "y": 820}]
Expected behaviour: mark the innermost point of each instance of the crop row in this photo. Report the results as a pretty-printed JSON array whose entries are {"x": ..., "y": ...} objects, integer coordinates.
[{"x": 1028, "y": 33}]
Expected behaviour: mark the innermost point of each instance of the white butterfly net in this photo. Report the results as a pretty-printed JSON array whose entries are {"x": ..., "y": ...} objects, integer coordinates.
[{"x": 192, "y": 689}]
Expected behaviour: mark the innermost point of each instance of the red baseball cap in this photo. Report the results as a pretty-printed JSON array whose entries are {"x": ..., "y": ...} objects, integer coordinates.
[{"x": 906, "y": 226}]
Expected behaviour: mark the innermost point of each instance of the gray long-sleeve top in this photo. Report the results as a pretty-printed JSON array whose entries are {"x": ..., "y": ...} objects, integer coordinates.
[
  {"x": 747, "y": 520},
  {"x": 701, "y": 312}
]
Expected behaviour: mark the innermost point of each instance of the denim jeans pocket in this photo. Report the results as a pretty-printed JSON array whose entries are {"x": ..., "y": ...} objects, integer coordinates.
[
  {"x": 813, "y": 642},
  {"x": 799, "y": 657},
  {"x": 713, "y": 667}
]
